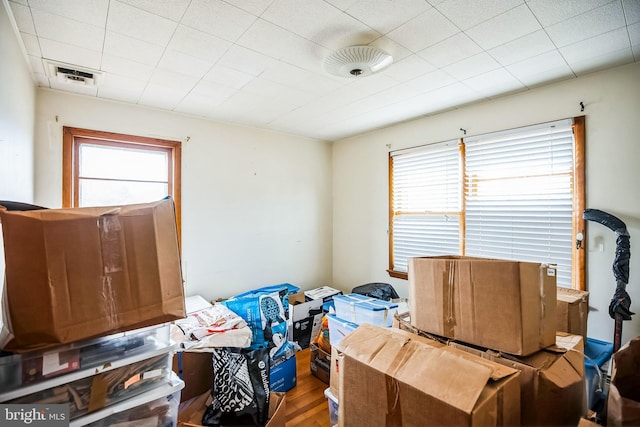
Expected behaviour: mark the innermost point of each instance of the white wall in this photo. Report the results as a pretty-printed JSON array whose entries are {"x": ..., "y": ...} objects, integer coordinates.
[
  {"x": 612, "y": 101},
  {"x": 256, "y": 205},
  {"x": 17, "y": 105}
]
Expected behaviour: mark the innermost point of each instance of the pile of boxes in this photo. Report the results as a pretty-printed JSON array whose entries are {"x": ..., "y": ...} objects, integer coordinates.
[
  {"x": 480, "y": 346},
  {"x": 89, "y": 294}
]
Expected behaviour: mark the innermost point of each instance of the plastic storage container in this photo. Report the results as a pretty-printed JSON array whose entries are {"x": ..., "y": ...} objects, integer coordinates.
[
  {"x": 158, "y": 408},
  {"x": 597, "y": 354},
  {"x": 38, "y": 366},
  {"x": 333, "y": 407},
  {"x": 93, "y": 389},
  {"x": 362, "y": 309},
  {"x": 339, "y": 328}
]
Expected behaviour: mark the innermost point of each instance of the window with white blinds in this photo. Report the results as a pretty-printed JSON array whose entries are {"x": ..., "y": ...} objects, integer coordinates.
[{"x": 506, "y": 195}]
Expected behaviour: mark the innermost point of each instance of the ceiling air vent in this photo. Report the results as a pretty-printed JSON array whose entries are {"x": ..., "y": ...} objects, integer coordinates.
[{"x": 73, "y": 75}]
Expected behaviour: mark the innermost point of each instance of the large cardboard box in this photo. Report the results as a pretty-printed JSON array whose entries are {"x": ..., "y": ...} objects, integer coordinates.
[
  {"x": 191, "y": 412},
  {"x": 320, "y": 363},
  {"x": 552, "y": 381},
  {"x": 504, "y": 305},
  {"x": 572, "y": 311},
  {"x": 196, "y": 370},
  {"x": 391, "y": 377},
  {"x": 78, "y": 273}
]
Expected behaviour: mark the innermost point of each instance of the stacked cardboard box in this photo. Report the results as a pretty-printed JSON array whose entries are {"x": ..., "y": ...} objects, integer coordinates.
[
  {"x": 506, "y": 312},
  {"x": 572, "y": 311},
  {"x": 79, "y": 285}
]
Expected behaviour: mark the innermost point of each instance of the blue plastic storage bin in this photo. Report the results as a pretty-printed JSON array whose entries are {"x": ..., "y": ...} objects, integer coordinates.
[{"x": 596, "y": 354}]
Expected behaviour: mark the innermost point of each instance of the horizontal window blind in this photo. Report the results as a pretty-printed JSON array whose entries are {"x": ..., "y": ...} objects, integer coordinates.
[
  {"x": 426, "y": 202},
  {"x": 519, "y": 195}
]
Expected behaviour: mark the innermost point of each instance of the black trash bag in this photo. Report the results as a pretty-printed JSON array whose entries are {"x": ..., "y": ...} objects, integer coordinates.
[
  {"x": 240, "y": 388},
  {"x": 383, "y": 291}
]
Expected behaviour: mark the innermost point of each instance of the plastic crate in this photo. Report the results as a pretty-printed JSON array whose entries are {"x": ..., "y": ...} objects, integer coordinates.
[
  {"x": 597, "y": 354},
  {"x": 338, "y": 329},
  {"x": 158, "y": 407},
  {"x": 333, "y": 407},
  {"x": 362, "y": 309},
  {"x": 38, "y": 366},
  {"x": 121, "y": 378}
]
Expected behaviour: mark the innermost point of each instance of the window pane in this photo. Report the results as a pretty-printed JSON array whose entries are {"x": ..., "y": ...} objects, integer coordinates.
[
  {"x": 111, "y": 193},
  {"x": 122, "y": 163}
]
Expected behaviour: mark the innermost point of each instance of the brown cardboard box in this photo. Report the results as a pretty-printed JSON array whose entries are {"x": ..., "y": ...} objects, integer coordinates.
[
  {"x": 552, "y": 381},
  {"x": 572, "y": 310},
  {"x": 623, "y": 401},
  {"x": 508, "y": 306},
  {"x": 320, "y": 363},
  {"x": 196, "y": 370},
  {"x": 334, "y": 371},
  {"x": 78, "y": 273},
  {"x": 190, "y": 414},
  {"x": 391, "y": 377}
]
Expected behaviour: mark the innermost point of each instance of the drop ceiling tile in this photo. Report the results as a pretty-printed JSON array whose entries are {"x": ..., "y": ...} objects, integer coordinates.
[
  {"x": 245, "y": 60},
  {"x": 92, "y": 12},
  {"x": 132, "y": 49},
  {"x": 254, "y": 7},
  {"x": 587, "y": 25},
  {"x": 382, "y": 99},
  {"x": 472, "y": 66},
  {"x": 218, "y": 18},
  {"x": 31, "y": 44},
  {"x": 70, "y": 54},
  {"x": 451, "y": 50},
  {"x": 423, "y": 31},
  {"x": 504, "y": 28},
  {"x": 281, "y": 44},
  {"x": 68, "y": 31},
  {"x": 466, "y": 14},
  {"x": 196, "y": 105},
  {"x": 549, "y": 66},
  {"x": 36, "y": 64},
  {"x": 72, "y": 87},
  {"x": 340, "y": 4},
  {"x": 198, "y": 44},
  {"x": 161, "y": 97},
  {"x": 223, "y": 75},
  {"x": 119, "y": 94},
  {"x": 520, "y": 49},
  {"x": 631, "y": 11},
  {"x": 319, "y": 22},
  {"x": 22, "y": 15},
  {"x": 494, "y": 83},
  {"x": 172, "y": 80},
  {"x": 138, "y": 24},
  {"x": 431, "y": 81},
  {"x": 592, "y": 54},
  {"x": 125, "y": 67},
  {"x": 549, "y": 12},
  {"x": 451, "y": 96},
  {"x": 634, "y": 35},
  {"x": 184, "y": 64},
  {"x": 216, "y": 92},
  {"x": 409, "y": 68},
  {"x": 128, "y": 83},
  {"x": 385, "y": 16},
  {"x": 170, "y": 9}
]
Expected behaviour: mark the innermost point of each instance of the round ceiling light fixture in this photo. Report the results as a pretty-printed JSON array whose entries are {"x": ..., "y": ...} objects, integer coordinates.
[{"x": 357, "y": 61}]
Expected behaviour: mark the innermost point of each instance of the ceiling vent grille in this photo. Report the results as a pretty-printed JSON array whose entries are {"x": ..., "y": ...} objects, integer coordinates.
[{"x": 72, "y": 74}]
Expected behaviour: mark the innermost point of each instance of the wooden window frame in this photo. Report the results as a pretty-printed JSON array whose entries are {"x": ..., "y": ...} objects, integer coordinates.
[
  {"x": 578, "y": 257},
  {"x": 73, "y": 138}
]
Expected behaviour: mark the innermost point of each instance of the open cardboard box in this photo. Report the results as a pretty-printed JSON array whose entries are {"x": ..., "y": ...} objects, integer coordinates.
[
  {"x": 191, "y": 412},
  {"x": 508, "y": 306},
  {"x": 391, "y": 376},
  {"x": 79, "y": 273}
]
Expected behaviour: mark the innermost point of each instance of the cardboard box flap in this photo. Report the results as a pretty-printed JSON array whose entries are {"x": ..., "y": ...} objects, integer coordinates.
[
  {"x": 448, "y": 374},
  {"x": 570, "y": 296}
]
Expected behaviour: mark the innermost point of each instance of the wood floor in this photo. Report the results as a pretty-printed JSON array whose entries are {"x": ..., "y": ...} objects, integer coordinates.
[{"x": 306, "y": 403}]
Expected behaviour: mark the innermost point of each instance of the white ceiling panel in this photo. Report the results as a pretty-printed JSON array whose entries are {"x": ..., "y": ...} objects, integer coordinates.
[
  {"x": 466, "y": 14},
  {"x": 513, "y": 24},
  {"x": 260, "y": 63}
]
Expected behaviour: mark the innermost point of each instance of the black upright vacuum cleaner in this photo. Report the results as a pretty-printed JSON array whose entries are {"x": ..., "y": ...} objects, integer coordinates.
[{"x": 620, "y": 305}]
